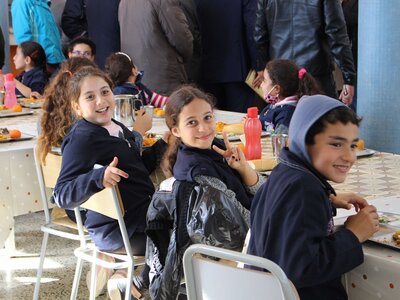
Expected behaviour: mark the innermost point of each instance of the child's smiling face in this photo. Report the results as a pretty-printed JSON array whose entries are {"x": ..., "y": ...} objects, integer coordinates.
[
  {"x": 334, "y": 150},
  {"x": 196, "y": 126},
  {"x": 96, "y": 101}
]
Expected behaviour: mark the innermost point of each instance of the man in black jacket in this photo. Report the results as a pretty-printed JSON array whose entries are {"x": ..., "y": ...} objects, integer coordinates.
[{"x": 311, "y": 33}]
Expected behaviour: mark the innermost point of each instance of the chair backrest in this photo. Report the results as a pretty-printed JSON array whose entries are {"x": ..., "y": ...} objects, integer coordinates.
[
  {"x": 210, "y": 279},
  {"x": 47, "y": 177}
]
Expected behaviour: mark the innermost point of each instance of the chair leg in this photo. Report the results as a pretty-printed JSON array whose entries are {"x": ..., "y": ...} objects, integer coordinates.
[
  {"x": 93, "y": 282},
  {"x": 129, "y": 278},
  {"x": 77, "y": 278},
  {"x": 40, "y": 268}
]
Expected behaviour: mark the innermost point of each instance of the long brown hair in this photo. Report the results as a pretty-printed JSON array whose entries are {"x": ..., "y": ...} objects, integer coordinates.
[
  {"x": 179, "y": 99},
  {"x": 57, "y": 115}
]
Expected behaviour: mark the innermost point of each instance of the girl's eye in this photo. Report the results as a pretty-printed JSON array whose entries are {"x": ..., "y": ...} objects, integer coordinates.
[
  {"x": 209, "y": 117},
  {"x": 353, "y": 146},
  {"x": 192, "y": 123},
  {"x": 105, "y": 92},
  {"x": 90, "y": 97}
]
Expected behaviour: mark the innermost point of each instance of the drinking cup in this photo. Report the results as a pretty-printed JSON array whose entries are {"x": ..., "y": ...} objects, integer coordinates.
[{"x": 279, "y": 141}]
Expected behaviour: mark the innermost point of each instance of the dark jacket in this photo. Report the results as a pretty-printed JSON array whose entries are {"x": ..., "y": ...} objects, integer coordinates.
[
  {"x": 156, "y": 35},
  {"x": 73, "y": 19},
  {"x": 310, "y": 32},
  {"x": 227, "y": 39},
  {"x": 193, "y": 162},
  {"x": 88, "y": 144},
  {"x": 129, "y": 88},
  {"x": 2, "y": 45},
  {"x": 101, "y": 19},
  {"x": 35, "y": 79},
  {"x": 291, "y": 224},
  {"x": 277, "y": 117}
]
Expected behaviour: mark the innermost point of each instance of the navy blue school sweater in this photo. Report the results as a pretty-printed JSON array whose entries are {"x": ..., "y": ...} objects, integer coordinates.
[
  {"x": 88, "y": 144},
  {"x": 36, "y": 79},
  {"x": 291, "y": 224}
]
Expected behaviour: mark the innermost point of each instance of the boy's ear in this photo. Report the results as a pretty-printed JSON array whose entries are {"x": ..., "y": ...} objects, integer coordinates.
[{"x": 175, "y": 132}]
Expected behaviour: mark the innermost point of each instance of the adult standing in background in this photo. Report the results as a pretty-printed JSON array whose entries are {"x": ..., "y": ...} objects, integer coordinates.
[
  {"x": 95, "y": 19},
  {"x": 33, "y": 21},
  {"x": 311, "y": 33},
  {"x": 350, "y": 11},
  {"x": 156, "y": 35},
  {"x": 2, "y": 52},
  {"x": 228, "y": 51},
  {"x": 193, "y": 65}
]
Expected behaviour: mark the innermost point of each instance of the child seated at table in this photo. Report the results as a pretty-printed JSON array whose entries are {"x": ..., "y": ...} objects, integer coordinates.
[
  {"x": 283, "y": 85},
  {"x": 291, "y": 215},
  {"x": 31, "y": 58},
  {"x": 82, "y": 47},
  {"x": 126, "y": 77},
  {"x": 98, "y": 139}
]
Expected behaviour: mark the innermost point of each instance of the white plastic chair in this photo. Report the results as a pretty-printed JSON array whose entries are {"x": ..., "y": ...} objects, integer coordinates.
[
  {"x": 107, "y": 202},
  {"x": 57, "y": 224},
  {"x": 210, "y": 279}
]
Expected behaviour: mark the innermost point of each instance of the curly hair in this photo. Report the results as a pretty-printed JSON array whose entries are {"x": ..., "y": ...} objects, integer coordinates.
[
  {"x": 179, "y": 99},
  {"x": 57, "y": 115}
]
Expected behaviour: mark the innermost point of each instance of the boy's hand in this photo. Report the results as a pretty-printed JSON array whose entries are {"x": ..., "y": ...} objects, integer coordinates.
[
  {"x": 364, "y": 224},
  {"x": 113, "y": 175},
  {"x": 348, "y": 200},
  {"x": 142, "y": 122}
]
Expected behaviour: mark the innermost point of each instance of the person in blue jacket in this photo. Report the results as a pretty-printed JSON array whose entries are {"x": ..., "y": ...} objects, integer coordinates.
[
  {"x": 283, "y": 85},
  {"x": 98, "y": 139},
  {"x": 33, "y": 21},
  {"x": 291, "y": 215}
]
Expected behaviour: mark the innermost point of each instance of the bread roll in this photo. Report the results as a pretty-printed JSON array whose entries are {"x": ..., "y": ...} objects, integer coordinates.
[
  {"x": 234, "y": 128},
  {"x": 262, "y": 164}
]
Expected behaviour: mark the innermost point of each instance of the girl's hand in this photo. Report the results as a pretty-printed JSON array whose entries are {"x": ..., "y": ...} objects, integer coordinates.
[
  {"x": 234, "y": 156},
  {"x": 113, "y": 175},
  {"x": 143, "y": 122},
  {"x": 35, "y": 95},
  {"x": 348, "y": 200}
]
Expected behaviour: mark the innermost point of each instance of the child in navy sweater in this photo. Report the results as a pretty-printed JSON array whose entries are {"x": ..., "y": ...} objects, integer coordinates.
[
  {"x": 31, "y": 58},
  {"x": 98, "y": 139},
  {"x": 283, "y": 85},
  {"x": 126, "y": 78},
  {"x": 291, "y": 215}
]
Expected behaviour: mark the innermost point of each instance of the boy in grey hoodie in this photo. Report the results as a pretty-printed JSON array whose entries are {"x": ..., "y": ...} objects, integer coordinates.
[{"x": 291, "y": 215}]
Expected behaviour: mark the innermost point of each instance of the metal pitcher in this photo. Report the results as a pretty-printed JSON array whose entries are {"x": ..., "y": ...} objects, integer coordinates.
[{"x": 125, "y": 107}]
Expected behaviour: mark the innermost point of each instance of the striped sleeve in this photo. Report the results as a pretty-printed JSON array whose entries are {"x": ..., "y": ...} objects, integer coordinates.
[{"x": 158, "y": 100}]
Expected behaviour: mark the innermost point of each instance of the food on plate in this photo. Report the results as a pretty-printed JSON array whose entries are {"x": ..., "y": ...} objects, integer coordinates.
[
  {"x": 234, "y": 128},
  {"x": 149, "y": 141},
  {"x": 396, "y": 237},
  {"x": 360, "y": 145},
  {"x": 17, "y": 108},
  {"x": 4, "y": 133},
  {"x": 219, "y": 126},
  {"x": 33, "y": 100},
  {"x": 3, "y": 107},
  {"x": 262, "y": 164},
  {"x": 15, "y": 134},
  {"x": 159, "y": 112},
  {"x": 241, "y": 146}
]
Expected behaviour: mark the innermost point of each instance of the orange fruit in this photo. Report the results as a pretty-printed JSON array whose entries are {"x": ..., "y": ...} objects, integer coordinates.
[
  {"x": 17, "y": 108},
  {"x": 241, "y": 146},
  {"x": 15, "y": 134},
  {"x": 360, "y": 145}
]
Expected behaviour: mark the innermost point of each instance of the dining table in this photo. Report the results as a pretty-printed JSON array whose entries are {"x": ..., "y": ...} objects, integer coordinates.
[{"x": 375, "y": 177}]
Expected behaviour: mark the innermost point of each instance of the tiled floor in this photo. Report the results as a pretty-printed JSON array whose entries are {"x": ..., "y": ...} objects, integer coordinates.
[{"x": 18, "y": 274}]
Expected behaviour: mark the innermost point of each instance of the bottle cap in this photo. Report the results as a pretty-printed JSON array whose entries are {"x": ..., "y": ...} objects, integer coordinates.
[
  {"x": 252, "y": 112},
  {"x": 9, "y": 77}
]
